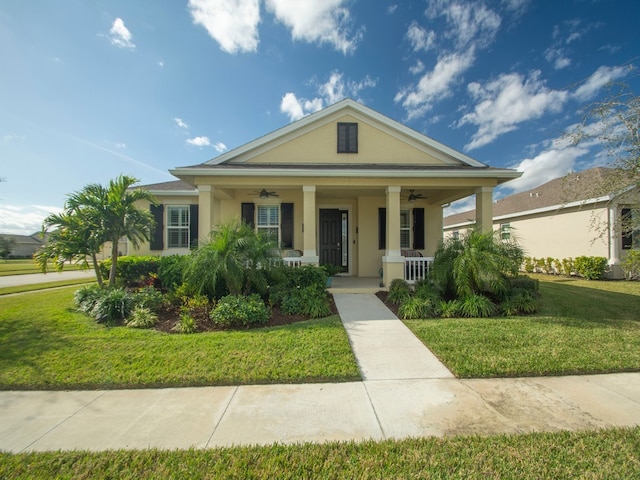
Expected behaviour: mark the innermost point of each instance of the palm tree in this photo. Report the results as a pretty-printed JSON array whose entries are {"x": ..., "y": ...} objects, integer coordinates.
[
  {"x": 74, "y": 238},
  {"x": 100, "y": 214},
  {"x": 235, "y": 255},
  {"x": 476, "y": 263}
]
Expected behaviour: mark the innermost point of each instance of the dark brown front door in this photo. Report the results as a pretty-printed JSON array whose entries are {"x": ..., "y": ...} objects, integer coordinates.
[{"x": 331, "y": 237}]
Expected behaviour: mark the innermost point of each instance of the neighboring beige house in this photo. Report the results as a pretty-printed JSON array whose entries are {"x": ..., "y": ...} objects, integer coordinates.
[
  {"x": 344, "y": 186},
  {"x": 564, "y": 218},
  {"x": 26, "y": 245}
]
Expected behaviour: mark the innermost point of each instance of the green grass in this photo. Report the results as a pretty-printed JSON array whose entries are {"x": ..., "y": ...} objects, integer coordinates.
[
  {"x": 613, "y": 453},
  {"x": 583, "y": 327},
  {"x": 46, "y": 344},
  {"x": 25, "y": 266},
  {"x": 43, "y": 286}
]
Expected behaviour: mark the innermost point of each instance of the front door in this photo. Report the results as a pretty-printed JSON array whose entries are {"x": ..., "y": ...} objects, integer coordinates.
[{"x": 333, "y": 235}]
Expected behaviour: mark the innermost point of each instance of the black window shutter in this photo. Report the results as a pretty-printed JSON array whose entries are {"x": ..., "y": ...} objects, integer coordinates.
[
  {"x": 286, "y": 229},
  {"x": 248, "y": 214},
  {"x": 157, "y": 235},
  {"x": 627, "y": 234},
  {"x": 418, "y": 228},
  {"x": 193, "y": 225},
  {"x": 382, "y": 228},
  {"x": 347, "y": 138}
]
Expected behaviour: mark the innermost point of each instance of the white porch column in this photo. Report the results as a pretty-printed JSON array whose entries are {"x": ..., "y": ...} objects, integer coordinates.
[
  {"x": 393, "y": 261},
  {"x": 484, "y": 209},
  {"x": 309, "y": 249},
  {"x": 206, "y": 210},
  {"x": 615, "y": 244}
]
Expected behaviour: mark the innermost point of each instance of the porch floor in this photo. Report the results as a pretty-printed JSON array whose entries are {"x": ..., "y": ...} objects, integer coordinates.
[{"x": 355, "y": 285}]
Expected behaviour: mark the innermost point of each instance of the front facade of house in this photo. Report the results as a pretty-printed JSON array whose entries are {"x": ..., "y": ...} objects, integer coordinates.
[
  {"x": 345, "y": 186},
  {"x": 563, "y": 218}
]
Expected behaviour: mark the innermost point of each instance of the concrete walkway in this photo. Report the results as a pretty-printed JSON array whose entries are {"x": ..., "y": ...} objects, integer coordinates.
[
  {"x": 33, "y": 278},
  {"x": 395, "y": 401}
]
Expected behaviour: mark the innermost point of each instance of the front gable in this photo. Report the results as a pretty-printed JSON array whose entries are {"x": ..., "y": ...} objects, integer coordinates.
[{"x": 314, "y": 141}]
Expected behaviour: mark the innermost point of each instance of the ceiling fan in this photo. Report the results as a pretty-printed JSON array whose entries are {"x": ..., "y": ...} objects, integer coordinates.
[
  {"x": 414, "y": 196},
  {"x": 265, "y": 194}
]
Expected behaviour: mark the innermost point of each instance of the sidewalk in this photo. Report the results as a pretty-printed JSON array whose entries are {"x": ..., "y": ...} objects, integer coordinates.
[
  {"x": 394, "y": 401},
  {"x": 33, "y": 278}
]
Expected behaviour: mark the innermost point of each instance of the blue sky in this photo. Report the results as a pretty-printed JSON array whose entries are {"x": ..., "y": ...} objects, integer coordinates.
[{"x": 91, "y": 89}]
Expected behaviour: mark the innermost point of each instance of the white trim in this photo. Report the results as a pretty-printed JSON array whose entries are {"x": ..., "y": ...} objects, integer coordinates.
[
  {"x": 535, "y": 211},
  {"x": 174, "y": 193},
  {"x": 336, "y": 173}
]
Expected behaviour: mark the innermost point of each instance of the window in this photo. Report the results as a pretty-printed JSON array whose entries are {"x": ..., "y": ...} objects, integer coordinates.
[
  {"x": 268, "y": 223},
  {"x": 456, "y": 235},
  {"x": 178, "y": 227},
  {"x": 405, "y": 229},
  {"x": 505, "y": 231},
  {"x": 630, "y": 236},
  {"x": 347, "y": 138}
]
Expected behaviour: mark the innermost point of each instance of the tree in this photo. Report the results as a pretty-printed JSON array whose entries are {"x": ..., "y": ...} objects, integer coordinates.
[
  {"x": 477, "y": 263},
  {"x": 7, "y": 244},
  {"x": 74, "y": 238},
  {"x": 614, "y": 124},
  {"x": 98, "y": 214},
  {"x": 235, "y": 255}
]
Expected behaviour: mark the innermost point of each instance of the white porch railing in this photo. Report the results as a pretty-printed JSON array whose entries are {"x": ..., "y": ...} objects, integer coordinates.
[
  {"x": 416, "y": 268},
  {"x": 292, "y": 261}
]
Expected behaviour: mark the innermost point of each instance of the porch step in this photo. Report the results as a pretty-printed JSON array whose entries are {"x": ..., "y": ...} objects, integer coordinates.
[{"x": 355, "y": 285}]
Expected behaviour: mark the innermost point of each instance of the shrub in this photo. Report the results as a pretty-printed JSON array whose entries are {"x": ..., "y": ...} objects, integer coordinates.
[
  {"x": 311, "y": 301},
  {"x": 290, "y": 280},
  {"x": 86, "y": 297},
  {"x": 399, "y": 291},
  {"x": 416, "y": 307},
  {"x": 113, "y": 306},
  {"x": 149, "y": 297},
  {"x": 186, "y": 324},
  {"x": 591, "y": 268},
  {"x": 449, "y": 309},
  {"x": 240, "y": 311},
  {"x": 520, "y": 302},
  {"x": 476, "y": 306},
  {"x": 631, "y": 265},
  {"x": 142, "y": 317},
  {"x": 171, "y": 271},
  {"x": 567, "y": 266},
  {"x": 133, "y": 270},
  {"x": 525, "y": 283},
  {"x": 529, "y": 264}
]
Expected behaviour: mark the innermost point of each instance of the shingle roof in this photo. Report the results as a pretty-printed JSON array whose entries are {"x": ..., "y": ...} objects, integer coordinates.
[
  {"x": 176, "y": 185},
  {"x": 574, "y": 187}
]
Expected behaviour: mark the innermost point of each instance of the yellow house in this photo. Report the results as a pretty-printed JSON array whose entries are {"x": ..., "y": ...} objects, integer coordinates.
[
  {"x": 345, "y": 186},
  {"x": 566, "y": 217}
]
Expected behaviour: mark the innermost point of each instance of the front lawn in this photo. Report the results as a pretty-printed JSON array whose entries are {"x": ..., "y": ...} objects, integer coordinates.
[
  {"x": 25, "y": 266},
  {"x": 46, "y": 344},
  {"x": 613, "y": 453},
  {"x": 583, "y": 327}
]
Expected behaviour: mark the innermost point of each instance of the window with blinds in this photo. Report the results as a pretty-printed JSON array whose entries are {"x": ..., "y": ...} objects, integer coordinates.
[
  {"x": 268, "y": 221},
  {"x": 178, "y": 226}
]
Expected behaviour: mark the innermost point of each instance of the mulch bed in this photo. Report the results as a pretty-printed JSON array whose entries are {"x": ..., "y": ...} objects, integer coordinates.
[{"x": 170, "y": 315}]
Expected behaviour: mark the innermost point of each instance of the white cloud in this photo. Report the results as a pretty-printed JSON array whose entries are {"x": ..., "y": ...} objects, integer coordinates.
[
  {"x": 199, "y": 141},
  {"x": 231, "y": 23},
  {"x": 417, "y": 68},
  {"x": 547, "y": 165},
  {"x": 220, "y": 147},
  {"x": 120, "y": 35},
  {"x": 121, "y": 145},
  {"x": 468, "y": 22},
  {"x": 507, "y": 101},
  {"x": 330, "y": 92},
  {"x": 24, "y": 219},
  {"x": 160, "y": 63},
  {"x": 180, "y": 123},
  {"x": 420, "y": 39},
  {"x": 434, "y": 85},
  {"x": 327, "y": 21},
  {"x": 13, "y": 137},
  {"x": 558, "y": 57},
  {"x": 391, "y": 9},
  {"x": 601, "y": 77}
]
